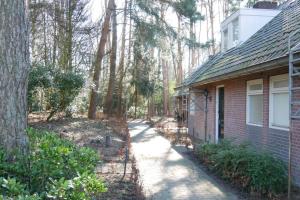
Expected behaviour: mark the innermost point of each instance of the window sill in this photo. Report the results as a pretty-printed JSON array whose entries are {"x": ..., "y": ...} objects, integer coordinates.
[
  {"x": 258, "y": 125},
  {"x": 279, "y": 128}
]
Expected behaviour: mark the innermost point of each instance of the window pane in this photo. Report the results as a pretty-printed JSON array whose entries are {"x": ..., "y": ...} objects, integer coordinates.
[
  {"x": 281, "y": 84},
  {"x": 235, "y": 31},
  {"x": 281, "y": 109},
  {"x": 256, "y": 109},
  {"x": 225, "y": 35},
  {"x": 255, "y": 87},
  {"x": 192, "y": 104}
]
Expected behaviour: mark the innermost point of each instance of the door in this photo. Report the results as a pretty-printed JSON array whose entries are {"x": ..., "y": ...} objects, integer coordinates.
[{"x": 219, "y": 113}]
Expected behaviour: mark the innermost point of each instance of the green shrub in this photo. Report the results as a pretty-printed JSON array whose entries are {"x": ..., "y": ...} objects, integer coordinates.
[
  {"x": 51, "y": 162},
  {"x": 81, "y": 187},
  {"x": 12, "y": 189},
  {"x": 267, "y": 174},
  {"x": 59, "y": 88},
  {"x": 242, "y": 165},
  {"x": 205, "y": 151},
  {"x": 40, "y": 81},
  {"x": 66, "y": 87},
  {"x": 52, "y": 157}
]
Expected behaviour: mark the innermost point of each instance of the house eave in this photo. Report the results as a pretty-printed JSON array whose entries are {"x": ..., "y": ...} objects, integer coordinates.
[{"x": 270, "y": 65}]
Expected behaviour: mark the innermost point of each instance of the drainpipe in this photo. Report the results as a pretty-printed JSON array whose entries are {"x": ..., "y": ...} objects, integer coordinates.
[{"x": 206, "y": 111}]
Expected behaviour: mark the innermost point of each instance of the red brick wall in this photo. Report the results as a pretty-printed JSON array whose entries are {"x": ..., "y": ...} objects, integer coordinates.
[
  {"x": 296, "y": 132},
  {"x": 235, "y": 127},
  {"x": 235, "y": 109},
  {"x": 196, "y": 121}
]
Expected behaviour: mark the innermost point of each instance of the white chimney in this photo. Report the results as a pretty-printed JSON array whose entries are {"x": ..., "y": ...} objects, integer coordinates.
[{"x": 242, "y": 24}]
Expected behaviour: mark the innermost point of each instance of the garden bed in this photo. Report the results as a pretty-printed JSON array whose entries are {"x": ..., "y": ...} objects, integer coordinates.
[{"x": 92, "y": 133}]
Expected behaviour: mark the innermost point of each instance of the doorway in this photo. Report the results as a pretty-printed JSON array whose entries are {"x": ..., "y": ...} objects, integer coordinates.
[{"x": 219, "y": 113}]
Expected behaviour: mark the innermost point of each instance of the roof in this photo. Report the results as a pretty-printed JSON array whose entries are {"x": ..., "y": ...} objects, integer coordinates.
[{"x": 268, "y": 44}]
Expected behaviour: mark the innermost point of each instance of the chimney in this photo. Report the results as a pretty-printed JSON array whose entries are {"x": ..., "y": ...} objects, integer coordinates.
[{"x": 265, "y": 5}]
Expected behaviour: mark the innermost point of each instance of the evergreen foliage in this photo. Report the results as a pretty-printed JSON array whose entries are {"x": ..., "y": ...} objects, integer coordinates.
[
  {"x": 243, "y": 166},
  {"x": 54, "y": 169},
  {"x": 58, "y": 87}
]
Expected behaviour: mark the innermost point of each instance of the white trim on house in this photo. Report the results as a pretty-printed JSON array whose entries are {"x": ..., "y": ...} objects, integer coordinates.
[
  {"x": 253, "y": 92},
  {"x": 217, "y": 114},
  {"x": 273, "y": 91}
]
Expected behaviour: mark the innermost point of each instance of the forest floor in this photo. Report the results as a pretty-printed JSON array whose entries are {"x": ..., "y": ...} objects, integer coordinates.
[{"x": 92, "y": 133}]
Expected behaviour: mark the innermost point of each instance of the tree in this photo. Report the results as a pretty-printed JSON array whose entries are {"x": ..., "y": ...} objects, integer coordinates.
[
  {"x": 14, "y": 65},
  {"x": 121, "y": 64},
  {"x": 112, "y": 72},
  {"x": 188, "y": 9},
  {"x": 98, "y": 61},
  {"x": 179, "y": 52}
]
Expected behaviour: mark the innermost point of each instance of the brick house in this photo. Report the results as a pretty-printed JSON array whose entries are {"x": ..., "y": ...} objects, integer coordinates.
[{"x": 243, "y": 92}]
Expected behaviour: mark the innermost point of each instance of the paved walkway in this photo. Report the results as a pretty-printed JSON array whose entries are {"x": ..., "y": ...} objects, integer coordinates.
[{"x": 165, "y": 173}]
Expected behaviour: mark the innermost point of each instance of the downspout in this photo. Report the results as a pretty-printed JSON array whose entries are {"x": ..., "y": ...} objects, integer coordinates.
[{"x": 206, "y": 113}]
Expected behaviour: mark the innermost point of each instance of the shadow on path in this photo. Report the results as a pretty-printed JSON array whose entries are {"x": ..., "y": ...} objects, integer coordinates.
[{"x": 165, "y": 173}]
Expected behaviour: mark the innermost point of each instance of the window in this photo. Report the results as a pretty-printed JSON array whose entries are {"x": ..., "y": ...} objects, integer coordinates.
[
  {"x": 255, "y": 102},
  {"x": 225, "y": 39},
  {"x": 235, "y": 31},
  {"x": 192, "y": 104},
  {"x": 279, "y": 102}
]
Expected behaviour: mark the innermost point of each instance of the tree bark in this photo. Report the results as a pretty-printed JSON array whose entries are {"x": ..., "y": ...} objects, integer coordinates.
[
  {"x": 98, "y": 62},
  {"x": 71, "y": 7},
  {"x": 112, "y": 73},
  {"x": 207, "y": 27},
  {"x": 121, "y": 64},
  {"x": 45, "y": 37},
  {"x": 179, "y": 65},
  {"x": 211, "y": 17},
  {"x": 165, "y": 86},
  {"x": 192, "y": 48},
  {"x": 14, "y": 69}
]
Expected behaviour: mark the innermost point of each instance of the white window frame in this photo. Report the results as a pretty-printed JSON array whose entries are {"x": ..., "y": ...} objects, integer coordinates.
[
  {"x": 249, "y": 93},
  {"x": 276, "y": 90}
]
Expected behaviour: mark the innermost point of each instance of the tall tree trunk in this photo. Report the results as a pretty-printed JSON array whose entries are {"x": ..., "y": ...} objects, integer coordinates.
[
  {"x": 179, "y": 53},
  {"x": 207, "y": 27},
  {"x": 112, "y": 73},
  {"x": 98, "y": 62},
  {"x": 14, "y": 65},
  {"x": 45, "y": 37},
  {"x": 33, "y": 20},
  {"x": 211, "y": 17},
  {"x": 199, "y": 34},
  {"x": 121, "y": 64},
  {"x": 166, "y": 86},
  {"x": 55, "y": 24},
  {"x": 192, "y": 48},
  {"x": 71, "y": 7}
]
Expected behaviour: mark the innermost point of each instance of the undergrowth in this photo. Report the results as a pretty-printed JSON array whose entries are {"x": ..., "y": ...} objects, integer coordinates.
[{"x": 54, "y": 168}]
